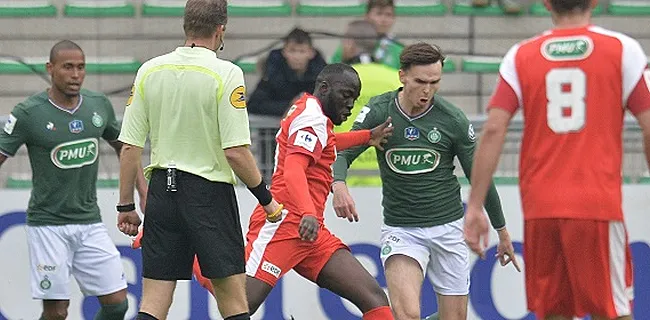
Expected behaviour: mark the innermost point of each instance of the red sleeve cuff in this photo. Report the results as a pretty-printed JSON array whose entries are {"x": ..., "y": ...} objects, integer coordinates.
[{"x": 345, "y": 140}]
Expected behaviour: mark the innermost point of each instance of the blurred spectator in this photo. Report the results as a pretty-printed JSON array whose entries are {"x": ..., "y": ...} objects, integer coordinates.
[
  {"x": 376, "y": 78},
  {"x": 286, "y": 73},
  {"x": 381, "y": 13},
  {"x": 359, "y": 42},
  {"x": 508, "y": 6}
]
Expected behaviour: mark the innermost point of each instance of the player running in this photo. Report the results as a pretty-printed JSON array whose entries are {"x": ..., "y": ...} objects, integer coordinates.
[
  {"x": 574, "y": 84},
  {"x": 65, "y": 234},
  {"x": 423, "y": 211}
]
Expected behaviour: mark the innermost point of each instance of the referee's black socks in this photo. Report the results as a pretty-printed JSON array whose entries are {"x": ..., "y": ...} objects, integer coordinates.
[{"x": 242, "y": 316}]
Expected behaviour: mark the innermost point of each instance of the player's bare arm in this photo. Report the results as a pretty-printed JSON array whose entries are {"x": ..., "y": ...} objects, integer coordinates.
[
  {"x": 343, "y": 202},
  {"x": 140, "y": 182},
  {"x": 128, "y": 221},
  {"x": 486, "y": 159},
  {"x": 242, "y": 162}
]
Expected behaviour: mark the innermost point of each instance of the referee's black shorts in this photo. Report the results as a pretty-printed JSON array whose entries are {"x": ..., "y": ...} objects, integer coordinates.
[{"x": 201, "y": 218}]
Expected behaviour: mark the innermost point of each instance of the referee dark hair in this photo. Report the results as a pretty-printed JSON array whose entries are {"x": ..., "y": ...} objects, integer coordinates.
[{"x": 192, "y": 105}]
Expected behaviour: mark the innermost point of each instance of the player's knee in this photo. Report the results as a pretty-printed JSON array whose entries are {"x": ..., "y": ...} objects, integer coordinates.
[
  {"x": 55, "y": 314},
  {"x": 55, "y": 310},
  {"x": 113, "y": 311},
  {"x": 379, "y": 297}
]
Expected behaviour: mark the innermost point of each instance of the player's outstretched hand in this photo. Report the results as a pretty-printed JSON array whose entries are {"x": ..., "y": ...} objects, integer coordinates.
[
  {"x": 128, "y": 222},
  {"x": 274, "y": 211},
  {"x": 505, "y": 250},
  {"x": 476, "y": 231},
  {"x": 308, "y": 228},
  {"x": 343, "y": 202},
  {"x": 379, "y": 134}
]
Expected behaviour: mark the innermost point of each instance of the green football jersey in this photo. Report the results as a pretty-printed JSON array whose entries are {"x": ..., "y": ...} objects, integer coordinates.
[
  {"x": 387, "y": 53},
  {"x": 63, "y": 148},
  {"x": 417, "y": 165}
]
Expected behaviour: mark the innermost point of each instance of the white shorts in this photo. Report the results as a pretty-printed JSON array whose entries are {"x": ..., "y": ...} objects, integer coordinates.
[
  {"x": 440, "y": 250},
  {"x": 83, "y": 250}
]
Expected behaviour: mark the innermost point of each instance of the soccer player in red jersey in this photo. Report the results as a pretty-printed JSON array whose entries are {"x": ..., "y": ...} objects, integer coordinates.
[
  {"x": 306, "y": 150},
  {"x": 574, "y": 84}
]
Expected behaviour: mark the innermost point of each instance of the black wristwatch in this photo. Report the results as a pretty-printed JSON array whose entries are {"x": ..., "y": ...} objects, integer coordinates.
[{"x": 125, "y": 207}]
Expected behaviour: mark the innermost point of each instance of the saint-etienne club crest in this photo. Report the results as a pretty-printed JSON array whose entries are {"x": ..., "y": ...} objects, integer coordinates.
[
  {"x": 76, "y": 126},
  {"x": 97, "y": 120},
  {"x": 434, "y": 136},
  {"x": 411, "y": 133}
]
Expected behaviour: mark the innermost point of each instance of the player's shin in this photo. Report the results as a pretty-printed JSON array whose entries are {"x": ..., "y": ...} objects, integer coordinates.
[
  {"x": 112, "y": 311},
  {"x": 379, "y": 313}
]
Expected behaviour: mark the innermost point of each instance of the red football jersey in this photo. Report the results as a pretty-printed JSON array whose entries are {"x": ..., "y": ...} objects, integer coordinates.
[
  {"x": 306, "y": 130},
  {"x": 573, "y": 86}
]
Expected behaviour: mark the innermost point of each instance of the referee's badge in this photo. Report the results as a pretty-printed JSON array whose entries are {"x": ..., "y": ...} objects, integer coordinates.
[
  {"x": 130, "y": 100},
  {"x": 238, "y": 97}
]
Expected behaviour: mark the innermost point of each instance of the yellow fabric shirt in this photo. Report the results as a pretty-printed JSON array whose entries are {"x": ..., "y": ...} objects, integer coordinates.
[
  {"x": 192, "y": 105},
  {"x": 375, "y": 79}
]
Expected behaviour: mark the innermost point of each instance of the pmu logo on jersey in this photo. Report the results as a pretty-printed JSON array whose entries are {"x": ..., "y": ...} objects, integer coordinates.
[
  {"x": 412, "y": 160},
  {"x": 76, "y": 126},
  {"x": 567, "y": 48},
  {"x": 411, "y": 133},
  {"x": 75, "y": 154}
]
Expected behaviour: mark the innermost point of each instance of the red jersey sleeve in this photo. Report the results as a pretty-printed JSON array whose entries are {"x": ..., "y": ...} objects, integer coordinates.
[
  {"x": 351, "y": 139},
  {"x": 305, "y": 141},
  {"x": 504, "y": 97},
  {"x": 639, "y": 99},
  {"x": 636, "y": 77},
  {"x": 296, "y": 165},
  {"x": 507, "y": 94}
]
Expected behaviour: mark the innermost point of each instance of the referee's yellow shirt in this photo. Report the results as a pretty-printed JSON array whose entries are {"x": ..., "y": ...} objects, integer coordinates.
[{"x": 193, "y": 106}]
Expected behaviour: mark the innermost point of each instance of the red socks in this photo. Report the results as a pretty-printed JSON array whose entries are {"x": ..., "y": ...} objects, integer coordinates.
[{"x": 380, "y": 313}]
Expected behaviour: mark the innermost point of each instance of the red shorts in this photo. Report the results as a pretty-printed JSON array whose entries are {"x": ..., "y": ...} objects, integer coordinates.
[
  {"x": 577, "y": 267},
  {"x": 272, "y": 249}
]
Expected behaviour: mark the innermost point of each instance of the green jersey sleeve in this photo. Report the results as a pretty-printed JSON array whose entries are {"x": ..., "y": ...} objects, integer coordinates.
[
  {"x": 112, "y": 130},
  {"x": 368, "y": 118},
  {"x": 337, "y": 56},
  {"x": 464, "y": 146},
  {"x": 135, "y": 124},
  {"x": 233, "y": 116},
  {"x": 15, "y": 132}
]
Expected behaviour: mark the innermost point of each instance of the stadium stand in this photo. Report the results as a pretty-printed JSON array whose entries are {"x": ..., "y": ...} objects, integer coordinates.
[{"x": 118, "y": 36}]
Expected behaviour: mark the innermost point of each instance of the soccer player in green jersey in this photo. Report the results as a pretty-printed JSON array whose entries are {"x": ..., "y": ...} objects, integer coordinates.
[
  {"x": 422, "y": 207},
  {"x": 61, "y": 128}
]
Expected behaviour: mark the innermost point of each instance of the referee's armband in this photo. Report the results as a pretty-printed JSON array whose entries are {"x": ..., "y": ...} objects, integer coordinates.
[{"x": 262, "y": 193}]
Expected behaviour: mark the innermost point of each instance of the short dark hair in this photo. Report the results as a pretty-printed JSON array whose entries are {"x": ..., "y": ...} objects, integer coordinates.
[
  {"x": 379, "y": 4},
  {"x": 364, "y": 34},
  {"x": 202, "y": 17},
  {"x": 298, "y": 36},
  {"x": 63, "y": 45},
  {"x": 420, "y": 54},
  {"x": 334, "y": 70},
  {"x": 563, "y": 7}
]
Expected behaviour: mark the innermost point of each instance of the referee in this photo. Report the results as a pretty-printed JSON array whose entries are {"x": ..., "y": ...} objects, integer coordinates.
[{"x": 192, "y": 105}]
